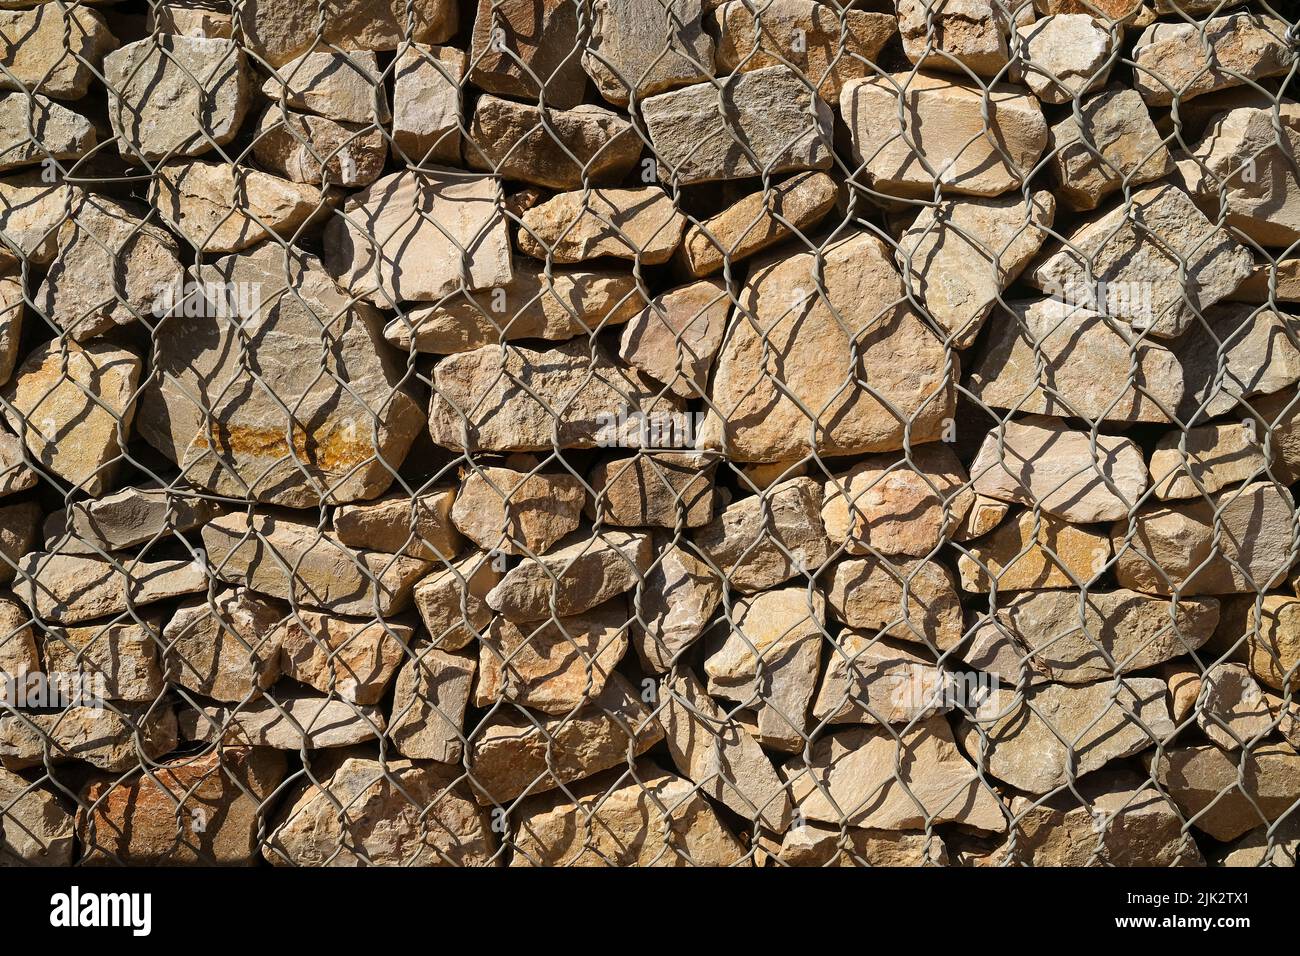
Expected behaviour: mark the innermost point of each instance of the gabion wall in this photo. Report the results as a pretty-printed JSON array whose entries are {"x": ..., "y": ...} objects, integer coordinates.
[{"x": 649, "y": 432}]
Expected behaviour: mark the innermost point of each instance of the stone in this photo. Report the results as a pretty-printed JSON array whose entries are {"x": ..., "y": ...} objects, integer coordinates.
[
  {"x": 1073, "y": 638},
  {"x": 582, "y": 572},
  {"x": 191, "y": 19},
  {"x": 676, "y": 337},
  {"x": 984, "y": 515},
  {"x": 1071, "y": 474},
  {"x": 1116, "y": 142},
  {"x": 103, "y": 238},
  {"x": 36, "y": 129},
  {"x": 174, "y": 95},
  {"x": 31, "y": 212},
  {"x": 1185, "y": 59},
  {"x": 427, "y": 94},
  {"x": 225, "y": 647},
  {"x": 1210, "y": 458},
  {"x": 768, "y": 661},
  {"x": 517, "y": 43},
  {"x": 813, "y": 845},
  {"x": 1280, "y": 848},
  {"x": 514, "y": 753},
  {"x": 71, "y": 588},
  {"x": 219, "y": 796},
  {"x": 654, "y": 818},
  {"x": 52, "y": 50},
  {"x": 760, "y": 219},
  {"x": 640, "y": 47},
  {"x": 1271, "y": 282},
  {"x": 764, "y": 540},
  {"x": 13, "y": 307},
  {"x": 872, "y": 681},
  {"x": 119, "y": 658},
  {"x": 340, "y": 86},
  {"x": 521, "y": 398},
  {"x": 1231, "y": 708},
  {"x": 677, "y": 598},
  {"x": 287, "y": 720},
  {"x": 1126, "y": 263},
  {"x": 396, "y": 813},
  {"x": 1234, "y": 542},
  {"x": 19, "y": 526},
  {"x": 429, "y": 698},
  {"x": 827, "y": 45},
  {"x": 1184, "y": 682},
  {"x": 317, "y": 151},
  {"x": 955, "y": 35},
  {"x": 297, "y": 562},
  {"x": 18, "y": 654},
  {"x": 804, "y": 340},
  {"x": 959, "y": 256},
  {"x": 558, "y": 149},
  {"x": 713, "y": 750},
  {"x": 114, "y": 739},
  {"x": 220, "y": 207},
  {"x": 1226, "y": 794},
  {"x": 1116, "y": 11},
  {"x": 887, "y": 504},
  {"x": 135, "y": 515},
  {"x": 867, "y": 593},
  {"x": 354, "y": 660},
  {"x": 1245, "y": 352},
  {"x": 1246, "y": 166},
  {"x": 419, "y": 526},
  {"x": 697, "y": 133},
  {"x": 1122, "y": 821},
  {"x": 1035, "y": 552},
  {"x": 641, "y": 224},
  {"x": 513, "y": 512},
  {"x": 660, "y": 490},
  {"x": 420, "y": 235},
  {"x": 35, "y": 829},
  {"x": 1273, "y": 641},
  {"x": 533, "y": 305},
  {"x": 866, "y": 777},
  {"x": 1065, "y": 55},
  {"x": 937, "y": 128},
  {"x": 555, "y": 666},
  {"x": 216, "y": 402},
  {"x": 451, "y": 601},
  {"x": 279, "y": 30},
  {"x": 1040, "y": 739}
]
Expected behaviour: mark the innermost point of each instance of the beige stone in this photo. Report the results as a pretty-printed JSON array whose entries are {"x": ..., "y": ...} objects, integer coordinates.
[
  {"x": 1226, "y": 794},
  {"x": 826, "y": 44},
  {"x": 519, "y": 43},
  {"x": 354, "y": 660},
  {"x": 960, "y": 256},
  {"x": 219, "y": 207},
  {"x": 891, "y": 505},
  {"x": 429, "y": 698},
  {"x": 1232, "y": 709},
  {"x": 813, "y": 845},
  {"x": 955, "y": 35},
  {"x": 287, "y": 720},
  {"x": 868, "y": 593},
  {"x": 320, "y": 152},
  {"x": 984, "y": 515},
  {"x": 451, "y": 600},
  {"x": 420, "y": 236},
  {"x": 396, "y": 813},
  {"x": 661, "y": 490},
  {"x": 225, "y": 647},
  {"x": 642, "y": 47},
  {"x": 114, "y": 739},
  {"x": 803, "y": 340},
  {"x": 939, "y": 137},
  {"x": 558, "y": 149},
  {"x": 190, "y": 18},
  {"x": 279, "y": 30},
  {"x": 1206, "y": 459},
  {"x": 1237, "y": 541},
  {"x": 1040, "y": 739},
  {"x": 18, "y": 654},
  {"x": 1273, "y": 641},
  {"x": 295, "y": 561},
  {"x": 865, "y": 777},
  {"x": 31, "y": 212},
  {"x": 35, "y": 130},
  {"x": 54, "y": 50},
  {"x": 873, "y": 681},
  {"x": 340, "y": 86},
  {"x": 584, "y": 571},
  {"x": 135, "y": 515},
  {"x": 427, "y": 100},
  {"x": 1034, "y": 552},
  {"x": 641, "y": 224},
  {"x": 513, "y": 753},
  {"x": 1065, "y": 55},
  {"x": 511, "y": 512},
  {"x": 1116, "y": 142},
  {"x": 120, "y": 658},
  {"x": 1187, "y": 59},
  {"x": 718, "y": 755},
  {"x": 677, "y": 598},
  {"x": 676, "y": 337},
  {"x": 761, "y": 219},
  {"x": 419, "y": 526},
  {"x": 71, "y": 588},
  {"x": 19, "y": 529},
  {"x": 35, "y": 830}
]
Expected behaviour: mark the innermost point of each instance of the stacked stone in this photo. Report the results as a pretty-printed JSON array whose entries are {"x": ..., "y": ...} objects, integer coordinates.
[{"x": 481, "y": 433}]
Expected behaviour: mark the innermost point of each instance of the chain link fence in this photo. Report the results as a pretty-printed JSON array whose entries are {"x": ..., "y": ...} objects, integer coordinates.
[{"x": 649, "y": 432}]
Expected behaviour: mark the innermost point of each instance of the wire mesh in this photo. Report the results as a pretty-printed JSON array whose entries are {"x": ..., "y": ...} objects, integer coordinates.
[{"x": 649, "y": 432}]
